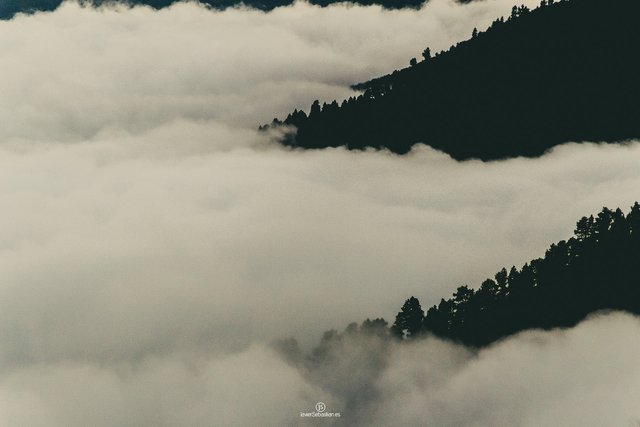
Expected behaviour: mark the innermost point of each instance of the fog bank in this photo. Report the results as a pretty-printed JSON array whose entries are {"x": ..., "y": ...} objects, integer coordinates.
[{"x": 153, "y": 244}]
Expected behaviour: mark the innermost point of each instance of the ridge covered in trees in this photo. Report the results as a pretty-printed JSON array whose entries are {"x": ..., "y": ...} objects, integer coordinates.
[
  {"x": 9, "y": 8},
  {"x": 596, "y": 269},
  {"x": 565, "y": 71}
]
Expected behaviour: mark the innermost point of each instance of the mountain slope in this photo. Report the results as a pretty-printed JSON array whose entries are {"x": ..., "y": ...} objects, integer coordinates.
[
  {"x": 596, "y": 269},
  {"x": 563, "y": 72}
]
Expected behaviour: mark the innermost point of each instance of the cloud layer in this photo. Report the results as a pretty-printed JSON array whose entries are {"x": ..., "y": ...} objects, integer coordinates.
[
  {"x": 583, "y": 377},
  {"x": 152, "y": 243},
  {"x": 70, "y": 74}
]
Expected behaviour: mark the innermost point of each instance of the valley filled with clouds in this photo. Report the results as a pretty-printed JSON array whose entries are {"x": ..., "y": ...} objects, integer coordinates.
[{"x": 154, "y": 244}]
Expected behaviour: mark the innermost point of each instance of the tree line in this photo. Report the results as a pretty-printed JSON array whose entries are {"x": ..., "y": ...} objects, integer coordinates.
[
  {"x": 564, "y": 71},
  {"x": 9, "y": 8},
  {"x": 594, "y": 270}
]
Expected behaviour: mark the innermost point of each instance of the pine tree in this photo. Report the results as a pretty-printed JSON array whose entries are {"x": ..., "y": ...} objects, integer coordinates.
[{"x": 409, "y": 320}]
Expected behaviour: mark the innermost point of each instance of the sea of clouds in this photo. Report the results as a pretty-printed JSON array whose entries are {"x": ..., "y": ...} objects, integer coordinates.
[{"x": 153, "y": 244}]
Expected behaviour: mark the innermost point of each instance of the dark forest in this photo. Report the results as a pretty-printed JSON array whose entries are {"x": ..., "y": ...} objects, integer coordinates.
[
  {"x": 563, "y": 72},
  {"x": 595, "y": 270}
]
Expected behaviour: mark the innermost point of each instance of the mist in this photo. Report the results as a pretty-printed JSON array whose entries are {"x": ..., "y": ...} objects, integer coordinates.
[
  {"x": 584, "y": 376},
  {"x": 154, "y": 244}
]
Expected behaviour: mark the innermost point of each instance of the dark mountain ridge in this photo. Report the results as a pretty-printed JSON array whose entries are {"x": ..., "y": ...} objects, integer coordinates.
[
  {"x": 566, "y": 71},
  {"x": 9, "y": 8}
]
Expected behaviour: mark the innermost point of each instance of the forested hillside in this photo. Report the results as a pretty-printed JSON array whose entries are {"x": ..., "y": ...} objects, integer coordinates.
[
  {"x": 596, "y": 269},
  {"x": 565, "y": 71}
]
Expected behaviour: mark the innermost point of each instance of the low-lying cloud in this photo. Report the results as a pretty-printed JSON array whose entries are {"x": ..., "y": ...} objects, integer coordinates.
[
  {"x": 583, "y": 377},
  {"x": 152, "y": 243},
  {"x": 70, "y": 74}
]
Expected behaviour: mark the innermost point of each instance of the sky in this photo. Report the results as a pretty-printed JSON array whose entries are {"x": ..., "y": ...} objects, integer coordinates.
[{"x": 154, "y": 245}]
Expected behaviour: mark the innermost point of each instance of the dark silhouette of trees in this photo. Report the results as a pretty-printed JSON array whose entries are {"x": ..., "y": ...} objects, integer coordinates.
[
  {"x": 376, "y": 326},
  {"x": 564, "y": 71},
  {"x": 596, "y": 269},
  {"x": 8, "y": 8},
  {"x": 315, "y": 110},
  {"x": 409, "y": 320}
]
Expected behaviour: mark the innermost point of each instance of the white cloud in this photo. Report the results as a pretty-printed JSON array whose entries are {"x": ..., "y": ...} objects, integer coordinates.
[
  {"x": 580, "y": 377},
  {"x": 585, "y": 377},
  {"x": 236, "y": 390},
  {"x": 70, "y": 74}
]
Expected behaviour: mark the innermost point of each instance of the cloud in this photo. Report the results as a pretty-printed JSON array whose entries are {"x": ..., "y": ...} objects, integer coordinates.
[
  {"x": 115, "y": 250},
  {"x": 70, "y": 74},
  {"x": 229, "y": 391},
  {"x": 152, "y": 243},
  {"x": 580, "y": 377},
  {"x": 585, "y": 376}
]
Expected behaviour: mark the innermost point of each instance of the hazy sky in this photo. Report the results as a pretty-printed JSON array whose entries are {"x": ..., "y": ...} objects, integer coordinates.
[{"x": 152, "y": 242}]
